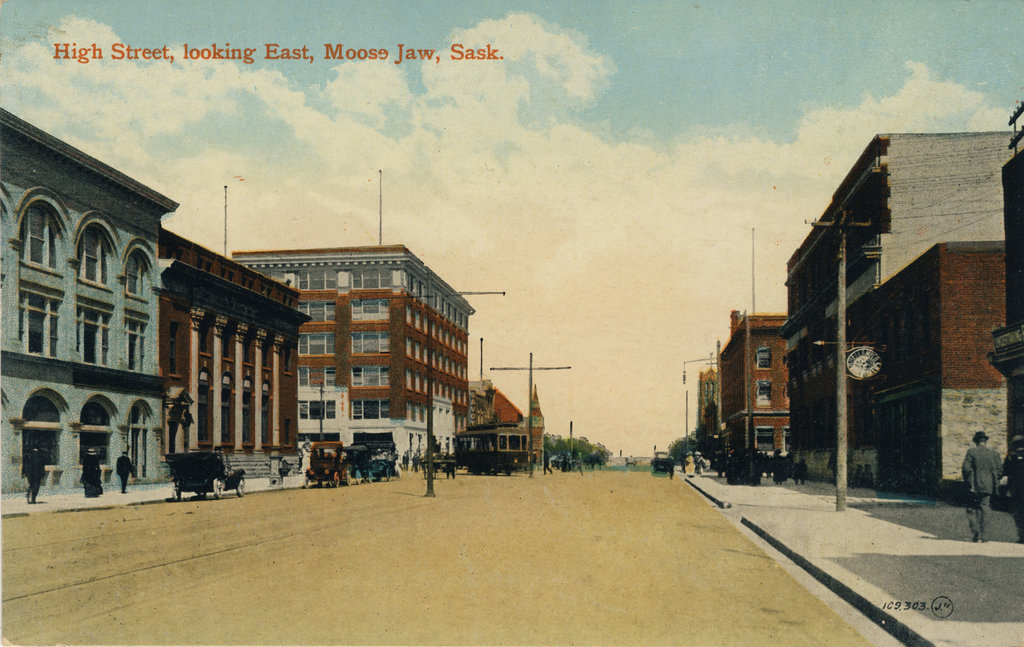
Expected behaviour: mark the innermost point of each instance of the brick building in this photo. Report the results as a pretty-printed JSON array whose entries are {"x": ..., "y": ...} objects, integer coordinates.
[
  {"x": 80, "y": 284},
  {"x": 383, "y": 328},
  {"x": 905, "y": 194},
  {"x": 489, "y": 406},
  {"x": 911, "y": 425},
  {"x": 228, "y": 356},
  {"x": 1008, "y": 340},
  {"x": 755, "y": 404}
]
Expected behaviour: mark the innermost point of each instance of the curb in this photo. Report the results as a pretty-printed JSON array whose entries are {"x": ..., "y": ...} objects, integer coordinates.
[
  {"x": 889, "y": 624},
  {"x": 713, "y": 499}
]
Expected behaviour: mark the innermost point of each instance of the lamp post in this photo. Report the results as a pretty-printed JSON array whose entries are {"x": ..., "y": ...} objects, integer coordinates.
[{"x": 529, "y": 402}]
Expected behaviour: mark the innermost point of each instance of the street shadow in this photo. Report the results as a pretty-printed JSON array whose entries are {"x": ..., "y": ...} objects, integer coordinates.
[
  {"x": 944, "y": 521},
  {"x": 981, "y": 588}
]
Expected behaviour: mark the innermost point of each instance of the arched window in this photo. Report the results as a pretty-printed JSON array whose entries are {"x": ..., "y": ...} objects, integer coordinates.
[
  {"x": 135, "y": 271},
  {"x": 137, "y": 439},
  {"x": 94, "y": 254},
  {"x": 203, "y": 408},
  {"x": 39, "y": 232},
  {"x": 225, "y": 409},
  {"x": 246, "y": 410},
  {"x": 95, "y": 430},
  {"x": 41, "y": 422}
]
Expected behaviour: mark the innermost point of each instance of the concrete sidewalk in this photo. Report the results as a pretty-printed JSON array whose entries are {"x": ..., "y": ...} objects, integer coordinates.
[
  {"x": 885, "y": 553},
  {"x": 60, "y": 500}
]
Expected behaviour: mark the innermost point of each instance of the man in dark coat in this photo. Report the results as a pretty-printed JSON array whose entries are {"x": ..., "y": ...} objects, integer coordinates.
[
  {"x": 982, "y": 469},
  {"x": 91, "y": 474},
  {"x": 1013, "y": 468},
  {"x": 33, "y": 467},
  {"x": 124, "y": 468}
]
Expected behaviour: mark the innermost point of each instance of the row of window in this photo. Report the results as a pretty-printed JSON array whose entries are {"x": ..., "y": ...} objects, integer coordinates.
[
  {"x": 41, "y": 237},
  {"x": 38, "y": 332},
  {"x": 314, "y": 409},
  {"x": 39, "y": 414}
]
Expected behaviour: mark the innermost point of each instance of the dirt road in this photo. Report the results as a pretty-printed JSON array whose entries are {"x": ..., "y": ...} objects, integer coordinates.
[{"x": 603, "y": 558}]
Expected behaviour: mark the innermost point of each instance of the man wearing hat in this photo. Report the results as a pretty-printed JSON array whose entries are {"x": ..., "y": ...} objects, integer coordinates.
[
  {"x": 1013, "y": 468},
  {"x": 982, "y": 470}
]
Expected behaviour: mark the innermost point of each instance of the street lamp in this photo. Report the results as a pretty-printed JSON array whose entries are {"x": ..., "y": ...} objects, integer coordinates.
[{"x": 529, "y": 403}]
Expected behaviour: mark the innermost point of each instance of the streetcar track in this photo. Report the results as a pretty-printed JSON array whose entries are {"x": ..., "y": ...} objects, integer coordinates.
[{"x": 229, "y": 549}]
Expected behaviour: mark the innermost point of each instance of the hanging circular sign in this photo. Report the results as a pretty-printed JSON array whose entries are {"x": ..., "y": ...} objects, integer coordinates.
[{"x": 863, "y": 363}]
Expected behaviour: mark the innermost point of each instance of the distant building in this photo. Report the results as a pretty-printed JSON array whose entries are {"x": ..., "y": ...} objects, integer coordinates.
[
  {"x": 536, "y": 426},
  {"x": 383, "y": 328},
  {"x": 906, "y": 195},
  {"x": 228, "y": 354},
  {"x": 490, "y": 406},
  {"x": 755, "y": 405},
  {"x": 708, "y": 427},
  {"x": 1008, "y": 357},
  {"x": 80, "y": 309}
]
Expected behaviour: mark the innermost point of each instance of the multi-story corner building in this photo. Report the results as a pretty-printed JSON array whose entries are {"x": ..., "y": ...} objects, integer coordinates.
[
  {"x": 905, "y": 194},
  {"x": 755, "y": 404},
  {"x": 384, "y": 328},
  {"x": 229, "y": 357},
  {"x": 80, "y": 309},
  {"x": 1008, "y": 357}
]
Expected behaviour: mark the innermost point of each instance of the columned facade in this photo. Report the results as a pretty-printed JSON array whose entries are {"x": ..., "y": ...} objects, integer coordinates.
[{"x": 238, "y": 365}]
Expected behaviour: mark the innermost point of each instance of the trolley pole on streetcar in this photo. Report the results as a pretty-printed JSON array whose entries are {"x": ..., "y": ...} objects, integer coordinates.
[{"x": 529, "y": 403}]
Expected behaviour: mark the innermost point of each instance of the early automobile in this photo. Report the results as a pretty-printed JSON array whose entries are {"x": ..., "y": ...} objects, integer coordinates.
[
  {"x": 662, "y": 464},
  {"x": 203, "y": 473},
  {"x": 327, "y": 464}
]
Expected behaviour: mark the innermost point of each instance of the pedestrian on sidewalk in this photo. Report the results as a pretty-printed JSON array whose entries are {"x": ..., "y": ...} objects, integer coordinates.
[
  {"x": 1013, "y": 468},
  {"x": 547, "y": 463},
  {"x": 91, "y": 474},
  {"x": 33, "y": 467},
  {"x": 124, "y": 468},
  {"x": 982, "y": 469}
]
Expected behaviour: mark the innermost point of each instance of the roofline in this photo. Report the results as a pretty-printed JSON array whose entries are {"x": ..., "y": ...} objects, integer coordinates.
[
  {"x": 22, "y": 127},
  {"x": 362, "y": 249}
]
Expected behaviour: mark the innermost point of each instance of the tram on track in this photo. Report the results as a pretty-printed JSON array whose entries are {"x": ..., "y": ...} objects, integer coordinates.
[{"x": 492, "y": 449}]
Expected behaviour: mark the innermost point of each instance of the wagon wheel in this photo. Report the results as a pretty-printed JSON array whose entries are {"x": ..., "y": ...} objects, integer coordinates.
[
  {"x": 218, "y": 488},
  {"x": 240, "y": 490}
]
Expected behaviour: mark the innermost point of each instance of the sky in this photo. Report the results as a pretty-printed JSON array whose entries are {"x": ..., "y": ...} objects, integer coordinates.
[{"x": 626, "y": 172}]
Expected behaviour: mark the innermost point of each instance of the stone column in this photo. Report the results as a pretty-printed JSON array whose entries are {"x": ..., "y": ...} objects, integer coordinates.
[
  {"x": 275, "y": 385},
  {"x": 215, "y": 379},
  {"x": 240, "y": 332},
  {"x": 257, "y": 388},
  {"x": 196, "y": 316}
]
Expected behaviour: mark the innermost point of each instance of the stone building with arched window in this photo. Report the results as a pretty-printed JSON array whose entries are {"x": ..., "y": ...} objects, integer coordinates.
[{"x": 80, "y": 309}]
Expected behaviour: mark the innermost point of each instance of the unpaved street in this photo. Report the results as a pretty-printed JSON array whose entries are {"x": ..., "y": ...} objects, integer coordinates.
[{"x": 603, "y": 558}]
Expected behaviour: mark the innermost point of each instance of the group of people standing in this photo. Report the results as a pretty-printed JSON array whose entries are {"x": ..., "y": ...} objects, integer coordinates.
[{"x": 749, "y": 466}]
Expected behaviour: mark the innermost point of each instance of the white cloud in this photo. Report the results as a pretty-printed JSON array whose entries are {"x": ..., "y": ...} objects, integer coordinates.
[{"x": 621, "y": 258}]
